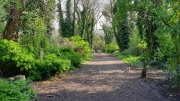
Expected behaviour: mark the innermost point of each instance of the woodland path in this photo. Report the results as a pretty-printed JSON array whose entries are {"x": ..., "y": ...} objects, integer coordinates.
[{"x": 102, "y": 79}]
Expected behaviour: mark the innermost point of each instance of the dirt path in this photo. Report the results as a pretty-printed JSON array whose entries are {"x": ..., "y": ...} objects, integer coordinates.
[{"x": 102, "y": 79}]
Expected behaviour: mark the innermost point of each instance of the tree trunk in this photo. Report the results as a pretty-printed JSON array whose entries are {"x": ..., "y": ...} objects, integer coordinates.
[
  {"x": 11, "y": 30},
  {"x": 143, "y": 74},
  {"x": 74, "y": 28}
]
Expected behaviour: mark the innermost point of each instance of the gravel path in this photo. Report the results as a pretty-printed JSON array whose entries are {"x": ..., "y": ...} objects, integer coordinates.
[{"x": 103, "y": 79}]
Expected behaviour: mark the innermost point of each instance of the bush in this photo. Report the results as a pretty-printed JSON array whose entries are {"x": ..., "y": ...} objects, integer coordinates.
[
  {"x": 50, "y": 66},
  {"x": 68, "y": 53},
  {"x": 112, "y": 47},
  {"x": 90, "y": 57},
  {"x": 13, "y": 56},
  {"x": 15, "y": 91},
  {"x": 99, "y": 43},
  {"x": 81, "y": 46}
]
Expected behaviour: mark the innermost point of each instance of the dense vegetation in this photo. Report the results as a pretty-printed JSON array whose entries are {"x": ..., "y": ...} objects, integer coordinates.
[
  {"x": 149, "y": 29},
  {"x": 142, "y": 32},
  {"x": 15, "y": 91},
  {"x": 29, "y": 46}
]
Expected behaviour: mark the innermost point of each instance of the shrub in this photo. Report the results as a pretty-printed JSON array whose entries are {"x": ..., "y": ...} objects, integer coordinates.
[
  {"x": 99, "y": 43},
  {"x": 13, "y": 56},
  {"x": 68, "y": 53},
  {"x": 81, "y": 46},
  {"x": 15, "y": 91},
  {"x": 50, "y": 66},
  {"x": 90, "y": 57},
  {"x": 116, "y": 53},
  {"x": 112, "y": 47}
]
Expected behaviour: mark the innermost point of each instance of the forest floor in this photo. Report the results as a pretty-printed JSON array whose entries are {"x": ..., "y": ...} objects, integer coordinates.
[{"x": 105, "y": 79}]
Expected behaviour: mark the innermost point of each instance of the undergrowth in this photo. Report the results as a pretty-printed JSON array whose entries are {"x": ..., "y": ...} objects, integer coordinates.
[
  {"x": 129, "y": 59},
  {"x": 16, "y": 91}
]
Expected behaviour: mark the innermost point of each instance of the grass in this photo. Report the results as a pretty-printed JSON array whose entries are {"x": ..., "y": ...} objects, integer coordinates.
[{"x": 129, "y": 59}]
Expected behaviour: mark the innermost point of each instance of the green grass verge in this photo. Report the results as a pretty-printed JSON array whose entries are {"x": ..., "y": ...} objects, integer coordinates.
[{"x": 129, "y": 59}]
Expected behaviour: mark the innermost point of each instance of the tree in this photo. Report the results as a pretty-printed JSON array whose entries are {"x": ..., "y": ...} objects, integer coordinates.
[
  {"x": 61, "y": 19},
  {"x": 122, "y": 25},
  {"x": 169, "y": 39},
  {"x": 123, "y": 10},
  {"x": 88, "y": 13},
  {"x": 11, "y": 30},
  {"x": 66, "y": 24}
]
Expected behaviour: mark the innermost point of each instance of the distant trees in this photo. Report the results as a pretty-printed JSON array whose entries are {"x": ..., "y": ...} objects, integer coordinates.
[{"x": 82, "y": 21}]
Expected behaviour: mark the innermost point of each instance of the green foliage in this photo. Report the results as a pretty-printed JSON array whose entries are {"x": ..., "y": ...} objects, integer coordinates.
[
  {"x": 66, "y": 24},
  {"x": 34, "y": 30},
  {"x": 123, "y": 34},
  {"x": 81, "y": 46},
  {"x": 12, "y": 56},
  {"x": 16, "y": 91},
  {"x": 108, "y": 34},
  {"x": 112, "y": 47},
  {"x": 33, "y": 43},
  {"x": 90, "y": 57},
  {"x": 136, "y": 44},
  {"x": 158, "y": 24},
  {"x": 176, "y": 77},
  {"x": 50, "y": 66},
  {"x": 168, "y": 36},
  {"x": 129, "y": 59},
  {"x": 123, "y": 22},
  {"x": 68, "y": 53},
  {"x": 99, "y": 43},
  {"x": 3, "y": 14}
]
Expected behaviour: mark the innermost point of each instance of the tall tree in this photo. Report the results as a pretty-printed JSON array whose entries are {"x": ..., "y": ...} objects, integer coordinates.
[
  {"x": 121, "y": 23},
  {"x": 66, "y": 24},
  {"x": 144, "y": 9},
  {"x": 68, "y": 20},
  {"x": 61, "y": 19},
  {"x": 88, "y": 15}
]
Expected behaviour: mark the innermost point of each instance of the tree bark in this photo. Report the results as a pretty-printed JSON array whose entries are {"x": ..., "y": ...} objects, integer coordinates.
[
  {"x": 11, "y": 30},
  {"x": 143, "y": 74}
]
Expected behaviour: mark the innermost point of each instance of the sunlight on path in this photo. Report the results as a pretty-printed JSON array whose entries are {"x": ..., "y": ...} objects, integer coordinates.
[
  {"x": 103, "y": 62},
  {"x": 102, "y": 79}
]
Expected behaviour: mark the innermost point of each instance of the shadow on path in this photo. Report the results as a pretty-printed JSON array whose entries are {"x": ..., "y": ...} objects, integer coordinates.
[{"x": 102, "y": 79}]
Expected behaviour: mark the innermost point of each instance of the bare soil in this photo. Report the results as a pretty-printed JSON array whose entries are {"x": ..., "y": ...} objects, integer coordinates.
[{"x": 106, "y": 79}]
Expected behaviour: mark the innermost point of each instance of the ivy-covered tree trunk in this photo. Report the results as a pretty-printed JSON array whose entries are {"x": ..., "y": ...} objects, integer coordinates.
[
  {"x": 123, "y": 34},
  {"x": 150, "y": 38},
  {"x": 74, "y": 18},
  {"x": 68, "y": 20},
  {"x": 61, "y": 19},
  {"x": 83, "y": 24},
  {"x": 66, "y": 24},
  {"x": 12, "y": 27}
]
